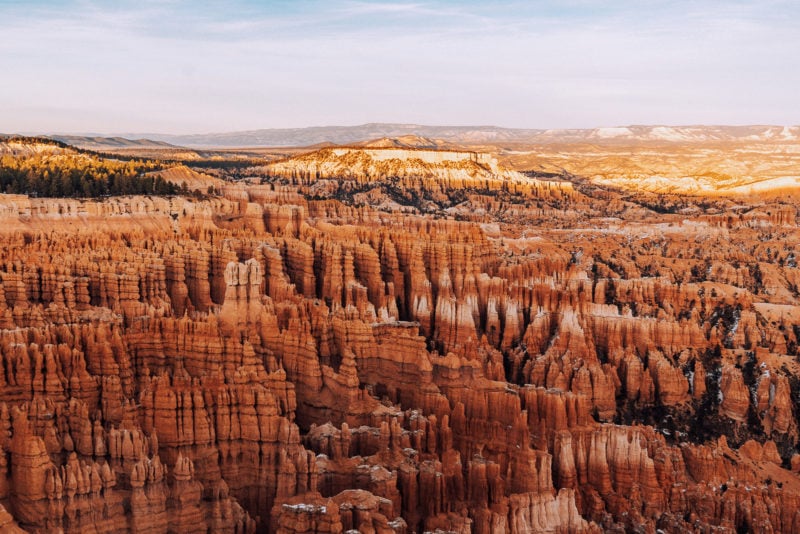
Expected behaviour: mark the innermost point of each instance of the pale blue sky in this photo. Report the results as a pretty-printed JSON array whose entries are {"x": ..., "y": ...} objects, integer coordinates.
[{"x": 193, "y": 67}]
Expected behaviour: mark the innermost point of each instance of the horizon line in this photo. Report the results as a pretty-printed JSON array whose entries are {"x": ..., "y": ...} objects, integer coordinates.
[{"x": 125, "y": 135}]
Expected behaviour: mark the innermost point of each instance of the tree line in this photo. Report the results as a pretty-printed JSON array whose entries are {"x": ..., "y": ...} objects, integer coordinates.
[{"x": 78, "y": 174}]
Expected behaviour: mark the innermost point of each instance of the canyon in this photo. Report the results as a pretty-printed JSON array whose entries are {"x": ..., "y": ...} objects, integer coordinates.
[{"x": 394, "y": 339}]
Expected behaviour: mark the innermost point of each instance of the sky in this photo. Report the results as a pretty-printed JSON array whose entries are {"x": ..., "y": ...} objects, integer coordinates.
[{"x": 177, "y": 66}]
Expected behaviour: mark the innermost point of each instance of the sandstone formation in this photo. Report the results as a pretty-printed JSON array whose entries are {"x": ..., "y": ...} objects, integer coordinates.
[{"x": 448, "y": 347}]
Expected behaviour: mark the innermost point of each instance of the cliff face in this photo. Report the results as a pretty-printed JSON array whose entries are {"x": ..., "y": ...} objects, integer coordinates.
[
  {"x": 269, "y": 361},
  {"x": 412, "y": 180}
]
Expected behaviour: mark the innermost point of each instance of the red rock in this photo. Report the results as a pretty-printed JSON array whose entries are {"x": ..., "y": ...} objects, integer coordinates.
[
  {"x": 262, "y": 361},
  {"x": 735, "y": 397}
]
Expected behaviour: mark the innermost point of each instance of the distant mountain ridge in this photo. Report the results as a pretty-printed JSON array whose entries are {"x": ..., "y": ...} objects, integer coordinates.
[
  {"x": 465, "y": 135},
  {"x": 484, "y": 135},
  {"x": 342, "y": 135},
  {"x": 100, "y": 142}
]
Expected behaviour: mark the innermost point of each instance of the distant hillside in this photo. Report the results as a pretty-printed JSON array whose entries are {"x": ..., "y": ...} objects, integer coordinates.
[
  {"x": 470, "y": 135},
  {"x": 104, "y": 143},
  {"x": 188, "y": 179},
  {"x": 43, "y": 167},
  {"x": 342, "y": 135},
  {"x": 407, "y": 141}
]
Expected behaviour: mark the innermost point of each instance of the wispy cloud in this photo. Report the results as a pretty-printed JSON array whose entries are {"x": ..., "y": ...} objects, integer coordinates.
[{"x": 246, "y": 64}]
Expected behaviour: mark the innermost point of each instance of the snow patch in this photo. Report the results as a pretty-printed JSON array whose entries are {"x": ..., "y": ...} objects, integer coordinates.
[{"x": 306, "y": 508}]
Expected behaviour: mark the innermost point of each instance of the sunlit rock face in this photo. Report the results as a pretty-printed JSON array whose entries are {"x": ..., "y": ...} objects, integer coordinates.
[
  {"x": 704, "y": 161},
  {"x": 405, "y": 342}
]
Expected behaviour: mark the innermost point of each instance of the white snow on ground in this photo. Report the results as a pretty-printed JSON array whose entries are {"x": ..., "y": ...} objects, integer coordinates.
[{"x": 306, "y": 508}]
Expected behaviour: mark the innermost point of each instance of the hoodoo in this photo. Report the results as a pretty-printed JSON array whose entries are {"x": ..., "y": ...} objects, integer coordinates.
[{"x": 396, "y": 340}]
